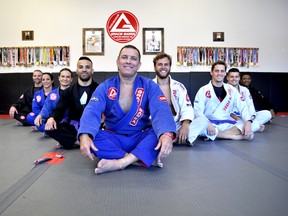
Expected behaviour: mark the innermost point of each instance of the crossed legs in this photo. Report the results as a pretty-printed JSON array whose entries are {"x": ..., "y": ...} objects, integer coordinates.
[
  {"x": 233, "y": 133},
  {"x": 107, "y": 165}
]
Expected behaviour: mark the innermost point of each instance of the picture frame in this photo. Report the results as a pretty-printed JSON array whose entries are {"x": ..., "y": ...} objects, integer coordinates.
[
  {"x": 93, "y": 41},
  {"x": 27, "y": 35},
  {"x": 153, "y": 41},
  {"x": 218, "y": 36}
]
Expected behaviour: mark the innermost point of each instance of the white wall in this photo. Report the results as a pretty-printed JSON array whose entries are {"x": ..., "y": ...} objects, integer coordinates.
[{"x": 246, "y": 23}]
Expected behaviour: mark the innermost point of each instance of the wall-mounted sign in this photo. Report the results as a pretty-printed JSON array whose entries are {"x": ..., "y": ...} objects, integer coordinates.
[
  {"x": 122, "y": 26},
  {"x": 27, "y": 35}
]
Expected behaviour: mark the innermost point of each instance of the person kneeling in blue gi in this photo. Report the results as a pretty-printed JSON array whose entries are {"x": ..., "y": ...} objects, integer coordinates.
[{"x": 130, "y": 136}]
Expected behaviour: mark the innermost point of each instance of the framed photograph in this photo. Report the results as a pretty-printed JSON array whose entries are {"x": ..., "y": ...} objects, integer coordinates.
[
  {"x": 218, "y": 36},
  {"x": 27, "y": 35},
  {"x": 93, "y": 41},
  {"x": 153, "y": 41}
]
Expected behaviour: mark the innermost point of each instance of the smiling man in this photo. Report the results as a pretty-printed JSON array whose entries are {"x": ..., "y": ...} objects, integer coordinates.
[
  {"x": 216, "y": 101},
  {"x": 188, "y": 127},
  {"x": 74, "y": 99},
  {"x": 127, "y": 102},
  {"x": 260, "y": 117},
  {"x": 23, "y": 105}
]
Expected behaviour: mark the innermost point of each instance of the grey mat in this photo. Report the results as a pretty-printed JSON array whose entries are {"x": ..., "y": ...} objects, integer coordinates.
[{"x": 212, "y": 178}]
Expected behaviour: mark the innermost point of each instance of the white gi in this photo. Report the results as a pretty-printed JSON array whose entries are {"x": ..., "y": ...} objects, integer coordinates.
[
  {"x": 184, "y": 110},
  {"x": 207, "y": 104},
  {"x": 260, "y": 117}
]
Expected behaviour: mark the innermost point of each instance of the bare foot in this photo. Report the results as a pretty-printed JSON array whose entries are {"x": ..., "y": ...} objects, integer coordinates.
[
  {"x": 190, "y": 144},
  {"x": 249, "y": 137},
  {"x": 33, "y": 128},
  {"x": 158, "y": 163},
  {"x": 105, "y": 165},
  {"x": 262, "y": 128}
]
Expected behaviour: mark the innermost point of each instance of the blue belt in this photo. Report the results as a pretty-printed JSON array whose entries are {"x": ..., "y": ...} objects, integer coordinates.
[{"x": 217, "y": 122}]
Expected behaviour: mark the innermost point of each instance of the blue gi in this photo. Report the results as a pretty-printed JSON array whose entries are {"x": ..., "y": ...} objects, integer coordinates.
[
  {"x": 129, "y": 132},
  {"x": 49, "y": 105},
  {"x": 37, "y": 104}
]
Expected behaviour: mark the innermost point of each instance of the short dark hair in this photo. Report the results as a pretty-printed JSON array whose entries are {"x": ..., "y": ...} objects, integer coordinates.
[
  {"x": 85, "y": 58},
  {"x": 218, "y": 63},
  {"x": 49, "y": 74},
  {"x": 51, "y": 77},
  {"x": 65, "y": 69},
  {"x": 161, "y": 56},
  {"x": 132, "y": 47},
  {"x": 233, "y": 70},
  {"x": 245, "y": 73}
]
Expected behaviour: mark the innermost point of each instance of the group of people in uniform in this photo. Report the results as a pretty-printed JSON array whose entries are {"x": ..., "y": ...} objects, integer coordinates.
[{"x": 130, "y": 119}]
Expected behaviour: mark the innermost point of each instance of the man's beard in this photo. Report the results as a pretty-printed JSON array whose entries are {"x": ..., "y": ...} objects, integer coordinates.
[
  {"x": 37, "y": 81},
  {"x": 85, "y": 79},
  {"x": 160, "y": 76}
]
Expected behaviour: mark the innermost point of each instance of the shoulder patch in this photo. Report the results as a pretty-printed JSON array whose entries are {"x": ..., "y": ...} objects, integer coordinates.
[
  {"x": 53, "y": 96},
  {"x": 38, "y": 98},
  {"x": 162, "y": 98}
]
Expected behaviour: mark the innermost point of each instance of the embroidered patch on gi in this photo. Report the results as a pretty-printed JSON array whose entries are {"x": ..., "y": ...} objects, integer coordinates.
[
  {"x": 162, "y": 98},
  {"x": 229, "y": 91},
  {"x": 227, "y": 104},
  {"x": 187, "y": 98},
  {"x": 137, "y": 116},
  {"x": 208, "y": 94},
  {"x": 175, "y": 94},
  {"x": 94, "y": 99},
  {"x": 53, "y": 96},
  {"x": 112, "y": 92},
  {"x": 38, "y": 98},
  {"x": 182, "y": 87},
  {"x": 242, "y": 96},
  {"x": 139, "y": 95}
]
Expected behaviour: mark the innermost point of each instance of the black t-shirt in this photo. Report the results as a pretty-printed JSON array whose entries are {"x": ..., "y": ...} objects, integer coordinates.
[
  {"x": 83, "y": 93},
  {"x": 220, "y": 92}
]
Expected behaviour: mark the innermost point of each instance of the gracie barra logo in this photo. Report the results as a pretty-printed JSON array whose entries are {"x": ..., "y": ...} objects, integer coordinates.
[
  {"x": 137, "y": 116},
  {"x": 53, "y": 96},
  {"x": 182, "y": 87},
  {"x": 229, "y": 91},
  {"x": 187, "y": 98},
  {"x": 208, "y": 94},
  {"x": 122, "y": 26},
  {"x": 242, "y": 96},
  {"x": 229, "y": 101},
  {"x": 227, "y": 104},
  {"x": 112, "y": 92},
  {"x": 175, "y": 94},
  {"x": 139, "y": 113},
  {"x": 139, "y": 95},
  {"x": 38, "y": 98}
]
